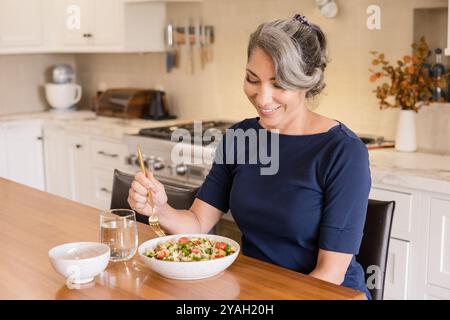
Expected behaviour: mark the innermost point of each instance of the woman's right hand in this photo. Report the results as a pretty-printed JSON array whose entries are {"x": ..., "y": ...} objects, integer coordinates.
[{"x": 137, "y": 195}]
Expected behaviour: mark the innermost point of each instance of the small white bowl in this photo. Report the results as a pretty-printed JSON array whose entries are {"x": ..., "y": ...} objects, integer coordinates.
[
  {"x": 80, "y": 262},
  {"x": 188, "y": 270}
]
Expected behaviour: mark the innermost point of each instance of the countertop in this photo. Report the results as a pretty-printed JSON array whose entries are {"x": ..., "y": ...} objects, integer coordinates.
[
  {"x": 31, "y": 228},
  {"x": 89, "y": 123},
  {"x": 418, "y": 170}
]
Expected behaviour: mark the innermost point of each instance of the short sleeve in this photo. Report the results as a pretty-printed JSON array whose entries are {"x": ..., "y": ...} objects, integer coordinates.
[
  {"x": 346, "y": 192},
  {"x": 216, "y": 188}
]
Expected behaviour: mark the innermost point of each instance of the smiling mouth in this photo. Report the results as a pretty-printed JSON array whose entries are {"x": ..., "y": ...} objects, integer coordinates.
[{"x": 268, "y": 111}]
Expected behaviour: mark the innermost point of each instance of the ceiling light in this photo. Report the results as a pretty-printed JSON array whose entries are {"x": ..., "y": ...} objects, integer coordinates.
[{"x": 328, "y": 8}]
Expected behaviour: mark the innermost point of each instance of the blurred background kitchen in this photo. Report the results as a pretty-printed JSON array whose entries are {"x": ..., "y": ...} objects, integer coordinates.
[
  {"x": 216, "y": 91},
  {"x": 81, "y": 82}
]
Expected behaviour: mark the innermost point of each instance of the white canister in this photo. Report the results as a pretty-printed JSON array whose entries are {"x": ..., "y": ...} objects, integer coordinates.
[{"x": 405, "y": 140}]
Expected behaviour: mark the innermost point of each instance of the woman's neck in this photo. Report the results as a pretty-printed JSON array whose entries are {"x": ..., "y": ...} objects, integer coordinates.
[
  {"x": 298, "y": 124},
  {"x": 305, "y": 122}
]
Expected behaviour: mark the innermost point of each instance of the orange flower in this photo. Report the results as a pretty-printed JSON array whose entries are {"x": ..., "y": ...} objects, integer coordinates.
[
  {"x": 409, "y": 83},
  {"x": 407, "y": 59}
]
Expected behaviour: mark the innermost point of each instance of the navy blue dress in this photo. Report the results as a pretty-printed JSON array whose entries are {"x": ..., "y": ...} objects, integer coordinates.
[{"x": 317, "y": 199}]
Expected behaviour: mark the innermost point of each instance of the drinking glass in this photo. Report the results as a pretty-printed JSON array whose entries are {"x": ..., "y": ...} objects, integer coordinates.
[{"x": 118, "y": 230}]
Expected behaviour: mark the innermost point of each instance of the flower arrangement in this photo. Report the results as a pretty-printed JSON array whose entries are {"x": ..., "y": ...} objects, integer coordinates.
[{"x": 410, "y": 81}]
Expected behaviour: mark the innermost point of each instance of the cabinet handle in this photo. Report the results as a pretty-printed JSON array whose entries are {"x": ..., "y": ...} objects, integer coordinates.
[
  {"x": 87, "y": 35},
  {"x": 105, "y": 190},
  {"x": 40, "y": 138},
  {"x": 106, "y": 154},
  {"x": 78, "y": 146}
]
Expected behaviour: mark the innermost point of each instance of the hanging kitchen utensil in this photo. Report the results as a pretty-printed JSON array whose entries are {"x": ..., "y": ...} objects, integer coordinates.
[
  {"x": 188, "y": 48},
  {"x": 170, "y": 51},
  {"x": 176, "y": 49},
  {"x": 202, "y": 44},
  {"x": 197, "y": 46},
  {"x": 208, "y": 53}
]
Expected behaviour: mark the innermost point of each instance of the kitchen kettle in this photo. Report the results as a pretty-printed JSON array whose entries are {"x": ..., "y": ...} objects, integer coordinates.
[{"x": 158, "y": 108}]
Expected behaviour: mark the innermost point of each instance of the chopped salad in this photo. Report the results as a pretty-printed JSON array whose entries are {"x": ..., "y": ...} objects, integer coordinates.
[{"x": 193, "y": 249}]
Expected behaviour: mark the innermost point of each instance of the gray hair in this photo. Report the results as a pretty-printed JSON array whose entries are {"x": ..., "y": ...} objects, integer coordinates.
[{"x": 298, "y": 51}]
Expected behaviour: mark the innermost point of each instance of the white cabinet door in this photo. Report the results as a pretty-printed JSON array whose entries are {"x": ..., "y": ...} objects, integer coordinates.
[
  {"x": 404, "y": 204},
  {"x": 102, "y": 182},
  {"x": 73, "y": 18},
  {"x": 395, "y": 287},
  {"x": 77, "y": 148},
  {"x": 106, "y": 24},
  {"x": 100, "y": 23},
  {"x": 2, "y": 153},
  {"x": 24, "y": 153},
  {"x": 21, "y": 23},
  {"x": 436, "y": 293},
  {"x": 439, "y": 243},
  {"x": 56, "y": 160}
]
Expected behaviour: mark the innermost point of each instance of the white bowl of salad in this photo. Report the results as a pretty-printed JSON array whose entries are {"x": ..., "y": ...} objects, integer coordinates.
[{"x": 189, "y": 256}]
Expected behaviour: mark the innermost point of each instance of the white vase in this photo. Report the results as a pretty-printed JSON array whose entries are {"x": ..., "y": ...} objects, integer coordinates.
[{"x": 405, "y": 140}]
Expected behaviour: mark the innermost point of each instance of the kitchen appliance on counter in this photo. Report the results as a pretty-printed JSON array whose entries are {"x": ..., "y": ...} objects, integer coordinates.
[
  {"x": 158, "y": 108},
  {"x": 62, "y": 94},
  {"x": 130, "y": 103},
  {"x": 63, "y": 73}
]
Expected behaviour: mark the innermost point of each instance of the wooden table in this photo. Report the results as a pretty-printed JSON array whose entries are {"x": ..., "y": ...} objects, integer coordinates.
[{"x": 32, "y": 222}]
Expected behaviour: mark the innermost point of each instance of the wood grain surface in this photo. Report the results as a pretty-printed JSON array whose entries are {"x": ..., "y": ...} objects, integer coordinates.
[{"x": 32, "y": 222}]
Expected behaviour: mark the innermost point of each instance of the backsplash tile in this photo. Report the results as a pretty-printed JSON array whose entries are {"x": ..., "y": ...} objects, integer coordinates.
[{"x": 22, "y": 80}]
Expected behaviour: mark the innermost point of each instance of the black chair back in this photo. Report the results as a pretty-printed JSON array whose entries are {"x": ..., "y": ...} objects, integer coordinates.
[
  {"x": 179, "y": 196},
  {"x": 375, "y": 244}
]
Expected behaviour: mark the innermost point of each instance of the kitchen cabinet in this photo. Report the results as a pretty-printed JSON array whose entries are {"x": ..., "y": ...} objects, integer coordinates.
[
  {"x": 436, "y": 293},
  {"x": 77, "y": 147},
  {"x": 100, "y": 22},
  {"x": 80, "y": 166},
  {"x": 21, "y": 23},
  {"x": 111, "y": 26},
  {"x": 67, "y": 164},
  {"x": 404, "y": 204},
  {"x": 418, "y": 264},
  {"x": 108, "y": 154},
  {"x": 396, "y": 280},
  {"x": 398, "y": 256},
  {"x": 56, "y": 162},
  {"x": 102, "y": 181},
  {"x": 77, "y": 26},
  {"x": 23, "y": 157},
  {"x": 105, "y": 156},
  {"x": 403, "y": 249},
  {"x": 439, "y": 242}
]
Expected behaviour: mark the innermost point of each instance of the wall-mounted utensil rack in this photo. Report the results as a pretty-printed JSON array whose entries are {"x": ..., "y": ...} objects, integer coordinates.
[
  {"x": 192, "y": 39},
  {"x": 179, "y": 35}
]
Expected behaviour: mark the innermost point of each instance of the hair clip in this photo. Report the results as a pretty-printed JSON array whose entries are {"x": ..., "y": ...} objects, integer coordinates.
[{"x": 302, "y": 19}]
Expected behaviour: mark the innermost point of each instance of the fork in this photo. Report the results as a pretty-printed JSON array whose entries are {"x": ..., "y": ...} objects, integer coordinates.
[
  {"x": 153, "y": 219},
  {"x": 154, "y": 224}
]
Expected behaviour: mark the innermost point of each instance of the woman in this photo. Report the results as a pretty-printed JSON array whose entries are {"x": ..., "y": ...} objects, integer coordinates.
[{"x": 309, "y": 216}]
